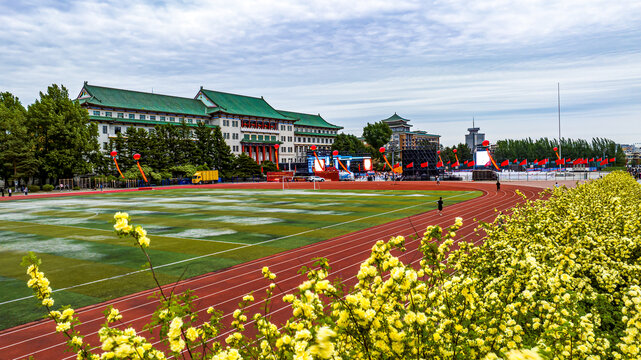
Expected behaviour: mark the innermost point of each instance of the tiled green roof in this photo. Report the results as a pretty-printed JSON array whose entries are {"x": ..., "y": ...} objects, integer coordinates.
[
  {"x": 422, "y": 133},
  {"x": 138, "y": 121},
  {"x": 127, "y": 99},
  {"x": 313, "y": 134},
  {"x": 395, "y": 118},
  {"x": 248, "y": 141},
  {"x": 309, "y": 120},
  {"x": 242, "y": 105}
]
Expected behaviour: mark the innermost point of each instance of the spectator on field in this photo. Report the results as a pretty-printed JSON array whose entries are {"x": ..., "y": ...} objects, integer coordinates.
[
  {"x": 498, "y": 185},
  {"x": 438, "y": 180},
  {"x": 440, "y": 206},
  {"x": 9, "y": 189},
  {"x": 26, "y": 191}
]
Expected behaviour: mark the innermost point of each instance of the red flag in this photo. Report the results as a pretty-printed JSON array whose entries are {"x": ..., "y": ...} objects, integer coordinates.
[
  {"x": 465, "y": 162},
  {"x": 410, "y": 165},
  {"x": 599, "y": 160},
  {"x": 448, "y": 162},
  {"x": 438, "y": 164},
  {"x": 592, "y": 160},
  {"x": 470, "y": 163},
  {"x": 456, "y": 164},
  {"x": 396, "y": 165},
  {"x": 506, "y": 163},
  {"x": 613, "y": 160},
  {"x": 425, "y": 164},
  {"x": 516, "y": 161},
  {"x": 536, "y": 161},
  {"x": 577, "y": 162},
  {"x": 604, "y": 162},
  {"x": 524, "y": 162},
  {"x": 558, "y": 162}
]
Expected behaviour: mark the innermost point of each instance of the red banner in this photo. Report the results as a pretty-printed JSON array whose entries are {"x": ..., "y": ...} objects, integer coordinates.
[
  {"x": 424, "y": 165},
  {"x": 410, "y": 165}
]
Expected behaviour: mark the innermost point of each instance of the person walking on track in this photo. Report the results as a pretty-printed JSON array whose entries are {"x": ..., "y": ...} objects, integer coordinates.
[
  {"x": 498, "y": 185},
  {"x": 440, "y": 205}
]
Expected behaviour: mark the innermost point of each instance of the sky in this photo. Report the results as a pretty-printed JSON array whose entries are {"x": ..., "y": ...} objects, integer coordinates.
[{"x": 438, "y": 63}]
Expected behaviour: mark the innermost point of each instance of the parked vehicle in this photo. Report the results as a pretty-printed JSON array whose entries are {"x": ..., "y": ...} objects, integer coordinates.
[
  {"x": 201, "y": 177},
  {"x": 315, "y": 178}
]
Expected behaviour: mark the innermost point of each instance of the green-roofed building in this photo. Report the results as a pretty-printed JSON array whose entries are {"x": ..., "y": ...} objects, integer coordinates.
[
  {"x": 249, "y": 125},
  {"x": 403, "y": 138},
  {"x": 311, "y": 130}
]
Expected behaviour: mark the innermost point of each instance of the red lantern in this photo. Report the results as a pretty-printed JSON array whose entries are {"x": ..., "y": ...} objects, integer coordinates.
[
  {"x": 114, "y": 153},
  {"x": 276, "y": 146},
  {"x": 313, "y": 147},
  {"x": 555, "y": 148},
  {"x": 136, "y": 157},
  {"x": 454, "y": 151},
  {"x": 439, "y": 152},
  {"x": 381, "y": 150},
  {"x": 486, "y": 143},
  {"x": 335, "y": 152}
]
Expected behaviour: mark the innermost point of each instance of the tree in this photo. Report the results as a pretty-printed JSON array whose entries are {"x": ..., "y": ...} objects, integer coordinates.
[
  {"x": 244, "y": 166},
  {"x": 204, "y": 149},
  {"x": 346, "y": 144},
  {"x": 64, "y": 136},
  {"x": 17, "y": 150},
  {"x": 268, "y": 166},
  {"x": 377, "y": 134},
  {"x": 223, "y": 160}
]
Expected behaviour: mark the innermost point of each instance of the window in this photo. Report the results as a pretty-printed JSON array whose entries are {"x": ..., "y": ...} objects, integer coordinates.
[
  {"x": 108, "y": 114},
  {"x": 162, "y": 118},
  {"x": 246, "y": 137},
  {"x": 273, "y": 137},
  {"x": 172, "y": 118},
  {"x": 190, "y": 120},
  {"x": 121, "y": 115},
  {"x": 289, "y": 138},
  {"x": 152, "y": 117},
  {"x": 234, "y": 123},
  {"x": 181, "y": 119},
  {"x": 282, "y": 138},
  {"x": 96, "y": 113},
  {"x": 105, "y": 146},
  {"x": 289, "y": 128},
  {"x": 117, "y": 130},
  {"x": 104, "y": 129},
  {"x": 142, "y": 117},
  {"x": 289, "y": 149},
  {"x": 253, "y": 137},
  {"x": 260, "y": 137},
  {"x": 132, "y": 116},
  {"x": 225, "y": 122},
  {"x": 234, "y": 136}
]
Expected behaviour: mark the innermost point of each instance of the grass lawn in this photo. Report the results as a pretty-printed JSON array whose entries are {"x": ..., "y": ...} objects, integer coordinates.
[{"x": 87, "y": 263}]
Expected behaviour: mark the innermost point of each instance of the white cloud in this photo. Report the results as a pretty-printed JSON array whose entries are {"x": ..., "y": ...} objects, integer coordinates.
[{"x": 438, "y": 63}]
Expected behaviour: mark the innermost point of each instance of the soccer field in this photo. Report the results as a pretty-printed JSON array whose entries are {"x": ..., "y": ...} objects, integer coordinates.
[{"x": 192, "y": 231}]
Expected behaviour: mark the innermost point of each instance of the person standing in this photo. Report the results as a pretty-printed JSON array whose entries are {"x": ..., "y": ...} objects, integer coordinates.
[
  {"x": 9, "y": 190},
  {"x": 440, "y": 206},
  {"x": 438, "y": 180},
  {"x": 26, "y": 191},
  {"x": 498, "y": 185},
  {"x": 100, "y": 186},
  {"x": 2, "y": 192}
]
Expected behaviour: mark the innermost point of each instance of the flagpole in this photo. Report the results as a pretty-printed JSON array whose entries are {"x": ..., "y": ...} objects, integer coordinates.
[{"x": 558, "y": 99}]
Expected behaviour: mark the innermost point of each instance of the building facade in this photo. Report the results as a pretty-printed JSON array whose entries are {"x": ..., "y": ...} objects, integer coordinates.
[
  {"x": 249, "y": 124},
  {"x": 405, "y": 139}
]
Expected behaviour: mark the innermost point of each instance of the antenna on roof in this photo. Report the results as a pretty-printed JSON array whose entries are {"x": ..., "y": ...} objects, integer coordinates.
[
  {"x": 472, "y": 121},
  {"x": 152, "y": 90}
]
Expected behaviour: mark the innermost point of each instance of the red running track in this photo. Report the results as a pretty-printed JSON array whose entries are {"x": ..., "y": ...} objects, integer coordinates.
[{"x": 224, "y": 289}]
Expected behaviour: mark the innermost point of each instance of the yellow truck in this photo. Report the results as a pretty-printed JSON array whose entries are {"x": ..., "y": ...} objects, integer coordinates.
[{"x": 201, "y": 177}]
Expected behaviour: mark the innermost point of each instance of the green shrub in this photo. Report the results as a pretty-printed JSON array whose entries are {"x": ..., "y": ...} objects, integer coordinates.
[
  {"x": 47, "y": 187},
  {"x": 33, "y": 188},
  {"x": 76, "y": 188}
]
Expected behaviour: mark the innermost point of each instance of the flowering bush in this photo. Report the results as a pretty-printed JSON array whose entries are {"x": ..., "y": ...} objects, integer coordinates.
[{"x": 557, "y": 279}]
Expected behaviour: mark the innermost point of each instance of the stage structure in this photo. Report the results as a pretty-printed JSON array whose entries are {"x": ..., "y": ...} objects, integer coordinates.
[
  {"x": 355, "y": 163},
  {"x": 424, "y": 152}
]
